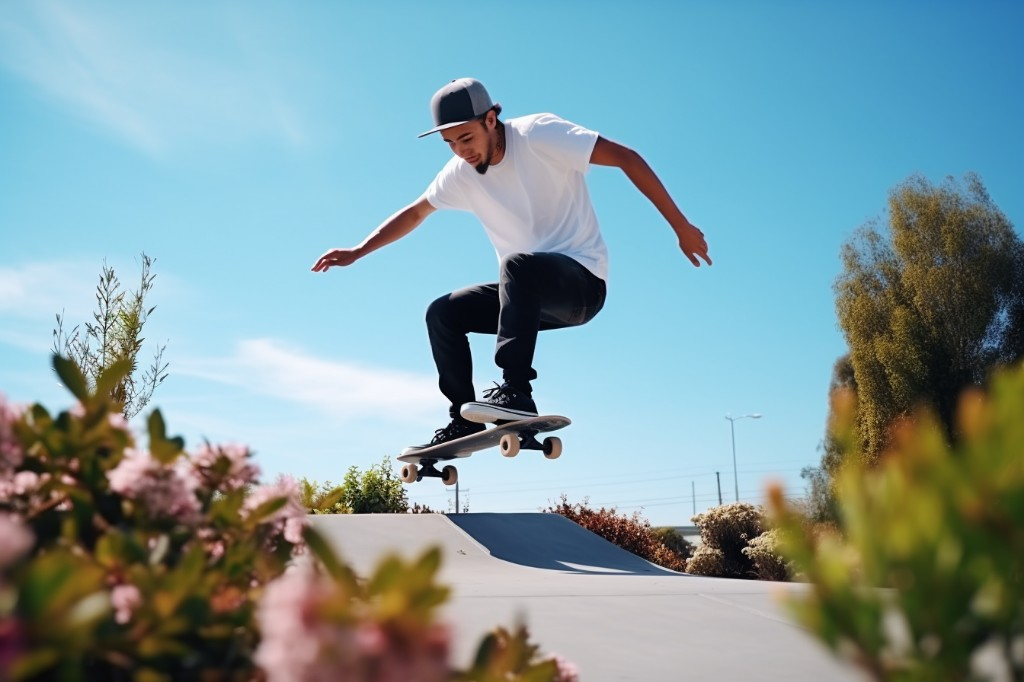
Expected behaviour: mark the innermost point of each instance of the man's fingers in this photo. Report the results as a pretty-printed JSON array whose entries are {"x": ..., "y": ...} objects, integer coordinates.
[{"x": 325, "y": 261}]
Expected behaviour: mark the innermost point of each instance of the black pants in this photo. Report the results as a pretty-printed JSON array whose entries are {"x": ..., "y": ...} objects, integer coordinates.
[{"x": 535, "y": 291}]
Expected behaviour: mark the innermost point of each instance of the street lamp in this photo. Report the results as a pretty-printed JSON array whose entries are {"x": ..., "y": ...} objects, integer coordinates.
[{"x": 732, "y": 427}]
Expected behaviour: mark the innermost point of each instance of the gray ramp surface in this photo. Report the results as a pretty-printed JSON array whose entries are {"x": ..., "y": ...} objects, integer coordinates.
[{"x": 616, "y": 616}]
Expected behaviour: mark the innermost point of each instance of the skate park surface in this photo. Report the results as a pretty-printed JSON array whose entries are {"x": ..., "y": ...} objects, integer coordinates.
[{"x": 613, "y": 614}]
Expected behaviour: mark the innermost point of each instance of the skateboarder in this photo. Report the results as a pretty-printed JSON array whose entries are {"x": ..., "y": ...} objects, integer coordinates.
[{"x": 524, "y": 180}]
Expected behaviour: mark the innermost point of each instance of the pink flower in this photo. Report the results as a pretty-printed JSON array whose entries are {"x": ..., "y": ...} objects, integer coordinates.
[
  {"x": 21, "y": 483},
  {"x": 240, "y": 470},
  {"x": 124, "y": 599},
  {"x": 15, "y": 539},
  {"x": 289, "y": 520},
  {"x": 11, "y": 452},
  {"x": 212, "y": 541},
  {"x": 294, "y": 645},
  {"x": 567, "y": 670},
  {"x": 300, "y": 643},
  {"x": 117, "y": 421},
  {"x": 165, "y": 492}
]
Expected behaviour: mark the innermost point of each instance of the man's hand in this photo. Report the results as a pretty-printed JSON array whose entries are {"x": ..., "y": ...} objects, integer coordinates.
[
  {"x": 693, "y": 244},
  {"x": 691, "y": 240},
  {"x": 335, "y": 257}
]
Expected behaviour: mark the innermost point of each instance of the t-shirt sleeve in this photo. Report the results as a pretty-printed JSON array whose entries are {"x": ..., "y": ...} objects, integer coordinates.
[
  {"x": 445, "y": 191},
  {"x": 562, "y": 141}
]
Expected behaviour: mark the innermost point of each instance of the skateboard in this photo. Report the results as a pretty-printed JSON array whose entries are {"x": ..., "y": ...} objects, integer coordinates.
[{"x": 510, "y": 438}]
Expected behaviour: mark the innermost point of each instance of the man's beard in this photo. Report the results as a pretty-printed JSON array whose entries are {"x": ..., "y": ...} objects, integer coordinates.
[{"x": 482, "y": 167}]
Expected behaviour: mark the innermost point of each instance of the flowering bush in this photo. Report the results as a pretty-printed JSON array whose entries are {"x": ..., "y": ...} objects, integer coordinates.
[
  {"x": 942, "y": 527},
  {"x": 631, "y": 533},
  {"x": 121, "y": 562},
  {"x": 763, "y": 552},
  {"x": 145, "y": 562},
  {"x": 725, "y": 532}
]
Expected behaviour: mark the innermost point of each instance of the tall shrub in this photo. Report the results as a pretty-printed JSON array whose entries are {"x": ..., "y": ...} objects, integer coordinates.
[
  {"x": 926, "y": 582},
  {"x": 115, "y": 335}
]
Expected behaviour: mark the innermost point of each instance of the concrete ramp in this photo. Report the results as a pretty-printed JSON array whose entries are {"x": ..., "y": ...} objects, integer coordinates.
[
  {"x": 615, "y": 615},
  {"x": 551, "y": 542}
]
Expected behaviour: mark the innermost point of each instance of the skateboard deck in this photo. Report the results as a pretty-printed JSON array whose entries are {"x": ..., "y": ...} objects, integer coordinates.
[{"x": 510, "y": 438}]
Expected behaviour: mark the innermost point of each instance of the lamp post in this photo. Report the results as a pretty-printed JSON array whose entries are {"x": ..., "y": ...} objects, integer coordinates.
[{"x": 732, "y": 428}]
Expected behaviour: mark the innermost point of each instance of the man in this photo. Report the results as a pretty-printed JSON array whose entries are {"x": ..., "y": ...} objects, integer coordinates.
[{"x": 524, "y": 180}]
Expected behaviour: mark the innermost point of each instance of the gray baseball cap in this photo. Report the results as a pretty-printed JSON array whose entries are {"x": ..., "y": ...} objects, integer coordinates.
[{"x": 461, "y": 101}]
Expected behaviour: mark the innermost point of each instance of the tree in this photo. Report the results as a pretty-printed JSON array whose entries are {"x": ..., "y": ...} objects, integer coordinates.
[
  {"x": 115, "y": 334},
  {"x": 821, "y": 498},
  {"x": 932, "y": 306}
]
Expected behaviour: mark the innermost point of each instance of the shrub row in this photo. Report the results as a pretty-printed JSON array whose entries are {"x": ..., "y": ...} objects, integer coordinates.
[{"x": 632, "y": 533}]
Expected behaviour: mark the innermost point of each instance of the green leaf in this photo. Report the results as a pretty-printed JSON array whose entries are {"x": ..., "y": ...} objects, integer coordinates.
[
  {"x": 323, "y": 551},
  {"x": 32, "y": 663},
  {"x": 163, "y": 449},
  {"x": 71, "y": 376},
  {"x": 484, "y": 653},
  {"x": 267, "y": 508},
  {"x": 113, "y": 375},
  {"x": 429, "y": 563},
  {"x": 542, "y": 672},
  {"x": 389, "y": 574}
]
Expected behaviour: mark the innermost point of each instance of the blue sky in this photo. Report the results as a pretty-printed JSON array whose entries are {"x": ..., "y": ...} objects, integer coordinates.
[{"x": 235, "y": 142}]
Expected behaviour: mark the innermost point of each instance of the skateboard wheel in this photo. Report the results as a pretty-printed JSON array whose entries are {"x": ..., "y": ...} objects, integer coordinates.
[
  {"x": 449, "y": 475},
  {"x": 552, "y": 447},
  {"x": 409, "y": 473},
  {"x": 509, "y": 445}
]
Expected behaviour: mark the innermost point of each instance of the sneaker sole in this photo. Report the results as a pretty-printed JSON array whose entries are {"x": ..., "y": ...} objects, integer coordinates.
[{"x": 485, "y": 413}]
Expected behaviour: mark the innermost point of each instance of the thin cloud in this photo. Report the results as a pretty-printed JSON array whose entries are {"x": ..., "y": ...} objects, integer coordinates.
[
  {"x": 36, "y": 291},
  {"x": 119, "y": 69},
  {"x": 343, "y": 390}
]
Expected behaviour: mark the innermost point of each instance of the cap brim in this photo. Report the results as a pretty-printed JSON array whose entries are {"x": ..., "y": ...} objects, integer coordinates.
[{"x": 439, "y": 128}]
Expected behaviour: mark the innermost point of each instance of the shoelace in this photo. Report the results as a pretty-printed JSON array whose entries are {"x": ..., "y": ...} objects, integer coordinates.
[
  {"x": 447, "y": 433},
  {"x": 497, "y": 391}
]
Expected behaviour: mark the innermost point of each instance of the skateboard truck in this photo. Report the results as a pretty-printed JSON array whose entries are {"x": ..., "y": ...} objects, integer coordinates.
[{"x": 448, "y": 475}]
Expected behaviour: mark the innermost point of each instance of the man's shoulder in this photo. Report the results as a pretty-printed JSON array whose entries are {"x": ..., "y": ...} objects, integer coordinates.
[{"x": 525, "y": 124}]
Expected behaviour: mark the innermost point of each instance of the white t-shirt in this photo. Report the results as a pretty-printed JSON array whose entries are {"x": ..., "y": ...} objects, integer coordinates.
[{"x": 536, "y": 199}]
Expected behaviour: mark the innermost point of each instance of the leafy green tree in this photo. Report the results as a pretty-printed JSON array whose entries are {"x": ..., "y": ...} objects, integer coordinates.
[
  {"x": 821, "y": 500},
  {"x": 377, "y": 491},
  {"x": 116, "y": 334},
  {"x": 930, "y": 305}
]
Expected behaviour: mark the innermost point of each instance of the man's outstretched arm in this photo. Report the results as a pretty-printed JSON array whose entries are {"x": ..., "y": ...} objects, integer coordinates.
[
  {"x": 391, "y": 230},
  {"x": 691, "y": 240}
]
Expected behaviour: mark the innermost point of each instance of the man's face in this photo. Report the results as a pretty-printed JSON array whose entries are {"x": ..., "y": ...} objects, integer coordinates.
[{"x": 474, "y": 142}]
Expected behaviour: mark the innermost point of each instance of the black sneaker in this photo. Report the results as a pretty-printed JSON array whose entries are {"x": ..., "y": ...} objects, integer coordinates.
[
  {"x": 457, "y": 429},
  {"x": 500, "y": 404}
]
